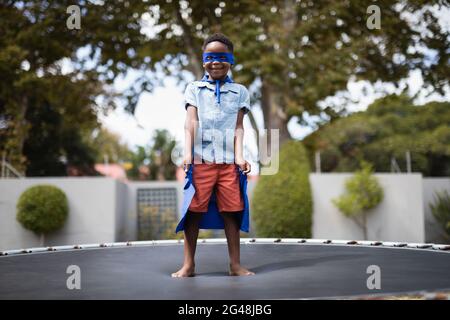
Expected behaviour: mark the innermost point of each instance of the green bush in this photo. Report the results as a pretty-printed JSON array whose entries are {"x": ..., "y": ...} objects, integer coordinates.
[
  {"x": 363, "y": 192},
  {"x": 441, "y": 210},
  {"x": 281, "y": 203},
  {"x": 42, "y": 209}
]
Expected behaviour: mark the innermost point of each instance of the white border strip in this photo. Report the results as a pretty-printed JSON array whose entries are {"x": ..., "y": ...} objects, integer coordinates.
[{"x": 387, "y": 244}]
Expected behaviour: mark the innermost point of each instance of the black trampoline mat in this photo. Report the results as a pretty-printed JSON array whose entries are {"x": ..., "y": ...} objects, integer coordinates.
[{"x": 283, "y": 271}]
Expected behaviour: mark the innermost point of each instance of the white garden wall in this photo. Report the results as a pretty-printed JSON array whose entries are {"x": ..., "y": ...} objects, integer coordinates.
[
  {"x": 399, "y": 217},
  {"x": 105, "y": 210},
  {"x": 96, "y": 212}
]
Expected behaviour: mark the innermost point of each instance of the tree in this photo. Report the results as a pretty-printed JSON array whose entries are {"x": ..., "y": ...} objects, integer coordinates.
[
  {"x": 161, "y": 165},
  {"x": 296, "y": 53},
  {"x": 34, "y": 45},
  {"x": 42, "y": 209},
  {"x": 57, "y": 123},
  {"x": 137, "y": 159},
  {"x": 302, "y": 52},
  {"x": 156, "y": 158},
  {"x": 107, "y": 143},
  {"x": 389, "y": 128},
  {"x": 363, "y": 193}
]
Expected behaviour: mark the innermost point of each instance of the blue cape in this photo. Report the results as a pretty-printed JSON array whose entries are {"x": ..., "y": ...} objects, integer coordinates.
[{"x": 212, "y": 219}]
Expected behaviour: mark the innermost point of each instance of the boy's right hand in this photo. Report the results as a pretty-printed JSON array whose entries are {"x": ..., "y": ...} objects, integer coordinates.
[{"x": 187, "y": 163}]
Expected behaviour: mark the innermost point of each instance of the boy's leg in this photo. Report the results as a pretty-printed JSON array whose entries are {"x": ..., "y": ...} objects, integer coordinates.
[
  {"x": 191, "y": 228},
  {"x": 233, "y": 237},
  {"x": 204, "y": 176},
  {"x": 231, "y": 204},
  {"x": 190, "y": 237},
  {"x": 231, "y": 224}
]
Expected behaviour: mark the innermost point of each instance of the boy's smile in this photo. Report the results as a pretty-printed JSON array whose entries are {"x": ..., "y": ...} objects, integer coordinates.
[{"x": 215, "y": 69}]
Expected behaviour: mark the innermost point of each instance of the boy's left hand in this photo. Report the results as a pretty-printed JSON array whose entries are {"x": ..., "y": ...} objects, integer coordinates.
[{"x": 244, "y": 165}]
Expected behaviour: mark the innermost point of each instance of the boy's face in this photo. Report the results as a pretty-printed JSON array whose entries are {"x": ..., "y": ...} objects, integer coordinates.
[{"x": 215, "y": 69}]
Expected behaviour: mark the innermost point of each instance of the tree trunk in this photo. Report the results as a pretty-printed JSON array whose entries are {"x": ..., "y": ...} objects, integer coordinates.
[
  {"x": 361, "y": 221},
  {"x": 42, "y": 239},
  {"x": 161, "y": 171},
  {"x": 272, "y": 100},
  {"x": 274, "y": 116},
  {"x": 195, "y": 64},
  {"x": 365, "y": 226},
  {"x": 16, "y": 157}
]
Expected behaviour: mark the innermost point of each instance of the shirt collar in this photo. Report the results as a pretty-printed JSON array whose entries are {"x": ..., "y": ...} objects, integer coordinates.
[{"x": 224, "y": 88}]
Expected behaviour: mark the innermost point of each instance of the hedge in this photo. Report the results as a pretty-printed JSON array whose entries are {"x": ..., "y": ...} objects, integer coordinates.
[
  {"x": 282, "y": 203},
  {"x": 42, "y": 209}
]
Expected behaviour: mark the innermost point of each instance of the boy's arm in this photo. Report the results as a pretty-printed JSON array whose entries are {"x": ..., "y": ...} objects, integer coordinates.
[
  {"x": 239, "y": 139},
  {"x": 239, "y": 143},
  {"x": 190, "y": 130}
]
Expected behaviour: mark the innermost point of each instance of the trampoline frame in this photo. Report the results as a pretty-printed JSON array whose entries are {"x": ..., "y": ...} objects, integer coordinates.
[{"x": 299, "y": 241}]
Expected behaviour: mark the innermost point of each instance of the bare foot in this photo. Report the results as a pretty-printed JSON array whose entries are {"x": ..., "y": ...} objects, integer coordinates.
[
  {"x": 185, "y": 271},
  {"x": 238, "y": 270}
]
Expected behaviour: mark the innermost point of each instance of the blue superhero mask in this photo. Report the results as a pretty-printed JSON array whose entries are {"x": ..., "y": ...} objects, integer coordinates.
[{"x": 218, "y": 56}]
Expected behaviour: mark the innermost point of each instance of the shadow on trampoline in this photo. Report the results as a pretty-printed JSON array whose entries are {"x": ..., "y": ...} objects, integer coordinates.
[{"x": 276, "y": 266}]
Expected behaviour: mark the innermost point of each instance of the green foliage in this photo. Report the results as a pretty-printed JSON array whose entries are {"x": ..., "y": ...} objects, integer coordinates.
[
  {"x": 363, "y": 192},
  {"x": 161, "y": 165},
  {"x": 282, "y": 203},
  {"x": 307, "y": 52},
  {"x": 441, "y": 209},
  {"x": 157, "y": 157},
  {"x": 136, "y": 159},
  {"x": 107, "y": 143},
  {"x": 42, "y": 208},
  {"x": 155, "y": 223},
  {"x": 43, "y": 107},
  {"x": 388, "y": 128}
]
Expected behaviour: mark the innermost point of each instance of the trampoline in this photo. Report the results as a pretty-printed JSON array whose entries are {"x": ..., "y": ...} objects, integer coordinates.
[{"x": 285, "y": 269}]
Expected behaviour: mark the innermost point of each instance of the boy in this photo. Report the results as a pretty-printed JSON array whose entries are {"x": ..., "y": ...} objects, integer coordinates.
[{"x": 217, "y": 106}]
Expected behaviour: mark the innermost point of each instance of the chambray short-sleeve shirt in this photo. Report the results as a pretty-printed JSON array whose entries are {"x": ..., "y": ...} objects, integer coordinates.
[{"x": 214, "y": 141}]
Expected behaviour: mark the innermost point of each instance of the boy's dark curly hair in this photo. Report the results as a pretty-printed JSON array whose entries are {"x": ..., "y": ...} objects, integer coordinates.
[{"x": 221, "y": 38}]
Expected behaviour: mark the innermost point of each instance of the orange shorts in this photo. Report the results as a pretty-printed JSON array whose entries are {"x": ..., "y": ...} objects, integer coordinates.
[{"x": 224, "y": 178}]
